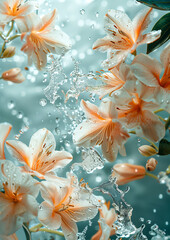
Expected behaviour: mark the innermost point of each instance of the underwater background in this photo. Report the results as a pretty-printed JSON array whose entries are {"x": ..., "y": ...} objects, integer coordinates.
[{"x": 31, "y": 105}]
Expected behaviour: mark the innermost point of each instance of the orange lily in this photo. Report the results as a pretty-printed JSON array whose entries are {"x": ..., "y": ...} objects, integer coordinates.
[
  {"x": 148, "y": 71},
  {"x": 17, "y": 198},
  {"x": 42, "y": 38},
  {"x": 124, "y": 35},
  {"x": 136, "y": 112},
  {"x": 114, "y": 80},
  {"x": 65, "y": 206},
  {"x": 14, "y": 9},
  {"x": 101, "y": 128},
  {"x": 5, "y": 129},
  {"x": 108, "y": 216},
  {"x": 40, "y": 158}
]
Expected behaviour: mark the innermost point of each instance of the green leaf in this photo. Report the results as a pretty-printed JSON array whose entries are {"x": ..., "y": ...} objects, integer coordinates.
[
  {"x": 158, "y": 4},
  {"x": 27, "y": 232},
  {"x": 163, "y": 24},
  {"x": 164, "y": 147}
]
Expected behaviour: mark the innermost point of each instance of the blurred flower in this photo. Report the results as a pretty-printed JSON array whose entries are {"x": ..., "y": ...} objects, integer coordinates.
[
  {"x": 40, "y": 158},
  {"x": 148, "y": 71},
  {"x": 109, "y": 217},
  {"x": 101, "y": 128},
  {"x": 65, "y": 206},
  {"x": 126, "y": 172},
  {"x": 42, "y": 38},
  {"x": 5, "y": 129},
  {"x": 151, "y": 164},
  {"x": 113, "y": 80},
  {"x": 135, "y": 111},
  {"x": 124, "y": 35},
  {"x": 17, "y": 198},
  {"x": 147, "y": 150},
  {"x": 14, "y": 9},
  {"x": 9, "y": 52},
  {"x": 13, "y": 75}
]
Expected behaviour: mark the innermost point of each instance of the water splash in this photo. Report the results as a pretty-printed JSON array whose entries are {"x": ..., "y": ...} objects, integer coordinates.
[
  {"x": 57, "y": 76},
  {"x": 123, "y": 224},
  {"x": 91, "y": 160},
  {"x": 138, "y": 235},
  {"x": 74, "y": 82}
]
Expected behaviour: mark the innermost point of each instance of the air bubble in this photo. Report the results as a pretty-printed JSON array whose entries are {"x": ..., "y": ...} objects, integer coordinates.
[
  {"x": 82, "y": 11},
  {"x": 43, "y": 102},
  {"x": 11, "y": 104}
]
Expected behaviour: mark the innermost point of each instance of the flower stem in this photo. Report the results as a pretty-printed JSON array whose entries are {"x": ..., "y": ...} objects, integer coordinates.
[
  {"x": 161, "y": 118},
  {"x": 159, "y": 110},
  {"x": 6, "y": 39},
  {"x": 13, "y": 37},
  {"x": 151, "y": 175},
  {"x": 49, "y": 231},
  {"x": 2, "y": 36},
  {"x": 11, "y": 28},
  {"x": 3, "y": 48},
  {"x": 153, "y": 144},
  {"x": 36, "y": 227}
]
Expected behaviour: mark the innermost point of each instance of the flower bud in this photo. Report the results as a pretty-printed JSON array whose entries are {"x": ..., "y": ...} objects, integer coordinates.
[
  {"x": 147, "y": 150},
  {"x": 14, "y": 75},
  {"x": 9, "y": 52},
  {"x": 126, "y": 172},
  {"x": 151, "y": 164}
]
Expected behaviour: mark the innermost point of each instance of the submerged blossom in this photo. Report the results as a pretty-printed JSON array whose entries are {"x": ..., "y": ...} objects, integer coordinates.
[
  {"x": 101, "y": 128},
  {"x": 14, "y": 9},
  {"x": 40, "y": 158},
  {"x": 126, "y": 172},
  {"x": 108, "y": 216},
  {"x": 113, "y": 80},
  {"x": 5, "y": 129},
  {"x": 65, "y": 206},
  {"x": 42, "y": 37},
  {"x": 148, "y": 71},
  {"x": 124, "y": 35},
  {"x": 135, "y": 111},
  {"x": 13, "y": 75},
  {"x": 17, "y": 198}
]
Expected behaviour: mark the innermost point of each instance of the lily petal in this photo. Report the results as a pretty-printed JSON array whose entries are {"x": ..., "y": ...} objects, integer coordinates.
[
  {"x": 19, "y": 150},
  {"x": 69, "y": 227},
  {"x": 147, "y": 70},
  {"x": 48, "y": 217},
  {"x": 141, "y": 21},
  {"x": 5, "y": 129},
  {"x": 149, "y": 37},
  {"x": 151, "y": 126}
]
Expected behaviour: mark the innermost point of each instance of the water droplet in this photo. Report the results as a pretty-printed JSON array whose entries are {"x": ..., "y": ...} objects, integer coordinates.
[
  {"x": 160, "y": 196},
  {"x": 97, "y": 14},
  {"x": 11, "y": 104},
  {"x": 82, "y": 11},
  {"x": 141, "y": 219},
  {"x": 43, "y": 102},
  {"x": 20, "y": 115}
]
